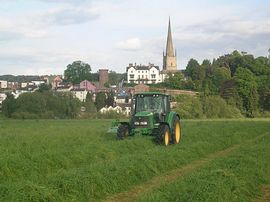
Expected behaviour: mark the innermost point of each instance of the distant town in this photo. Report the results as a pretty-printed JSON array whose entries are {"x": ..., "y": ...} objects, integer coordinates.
[{"x": 137, "y": 75}]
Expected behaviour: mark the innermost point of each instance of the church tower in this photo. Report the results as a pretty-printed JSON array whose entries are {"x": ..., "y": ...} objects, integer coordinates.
[{"x": 169, "y": 59}]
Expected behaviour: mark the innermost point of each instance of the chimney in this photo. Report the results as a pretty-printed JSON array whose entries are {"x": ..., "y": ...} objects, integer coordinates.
[{"x": 103, "y": 77}]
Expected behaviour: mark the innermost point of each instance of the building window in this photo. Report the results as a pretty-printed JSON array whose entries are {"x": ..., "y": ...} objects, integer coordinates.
[
  {"x": 131, "y": 76},
  {"x": 131, "y": 71},
  {"x": 142, "y": 71},
  {"x": 153, "y": 76},
  {"x": 142, "y": 76},
  {"x": 138, "y": 76},
  {"x": 138, "y": 71}
]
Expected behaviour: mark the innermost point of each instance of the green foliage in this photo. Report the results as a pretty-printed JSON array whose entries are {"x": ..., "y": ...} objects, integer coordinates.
[
  {"x": 44, "y": 87},
  {"x": 220, "y": 75},
  {"x": 239, "y": 78},
  {"x": 174, "y": 81},
  {"x": 9, "y": 105},
  {"x": 216, "y": 107},
  {"x": 189, "y": 107},
  {"x": 247, "y": 89},
  {"x": 110, "y": 99},
  {"x": 115, "y": 78},
  {"x": 42, "y": 105},
  {"x": 100, "y": 100},
  {"x": 77, "y": 72}
]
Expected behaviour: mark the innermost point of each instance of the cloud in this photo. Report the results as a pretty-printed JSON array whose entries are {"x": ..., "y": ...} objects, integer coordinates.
[
  {"x": 68, "y": 16},
  {"x": 132, "y": 44}
]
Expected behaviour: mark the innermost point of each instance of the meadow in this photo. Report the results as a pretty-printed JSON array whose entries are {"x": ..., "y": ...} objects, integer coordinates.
[{"x": 76, "y": 160}]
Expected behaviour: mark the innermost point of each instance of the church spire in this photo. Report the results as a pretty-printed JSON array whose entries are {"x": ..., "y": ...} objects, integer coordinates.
[{"x": 169, "y": 47}]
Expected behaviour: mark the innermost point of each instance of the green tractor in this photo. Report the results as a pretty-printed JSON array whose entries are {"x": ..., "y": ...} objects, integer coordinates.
[{"x": 152, "y": 115}]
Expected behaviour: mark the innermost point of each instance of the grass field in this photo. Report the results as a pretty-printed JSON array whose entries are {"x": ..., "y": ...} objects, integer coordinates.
[{"x": 75, "y": 160}]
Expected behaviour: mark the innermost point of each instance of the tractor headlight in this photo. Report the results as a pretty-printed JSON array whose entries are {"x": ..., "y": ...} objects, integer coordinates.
[
  {"x": 136, "y": 123},
  {"x": 143, "y": 123}
]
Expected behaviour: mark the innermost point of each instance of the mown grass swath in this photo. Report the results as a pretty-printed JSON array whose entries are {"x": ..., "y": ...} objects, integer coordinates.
[{"x": 77, "y": 160}]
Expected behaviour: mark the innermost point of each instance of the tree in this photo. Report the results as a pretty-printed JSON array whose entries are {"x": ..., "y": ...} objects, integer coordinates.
[
  {"x": 44, "y": 87},
  {"x": 247, "y": 89},
  {"x": 89, "y": 97},
  {"x": 191, "y": 67},
  {"x": 9, "y": 105},
  {"x": 174, "y": 80},
  {"x": 77, "y": 72},
  {"x": 220, "y": 75},
  {"x": 100, "y": 100},
  {"x": 110, "y": 99}
]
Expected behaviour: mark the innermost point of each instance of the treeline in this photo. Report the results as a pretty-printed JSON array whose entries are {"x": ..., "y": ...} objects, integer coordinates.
[
  {"x": 41, "y": 105},
  {"x": 19, "y": 78},
  {"x": 46, "y": 104},
  {"x": 241, "y": 80}
]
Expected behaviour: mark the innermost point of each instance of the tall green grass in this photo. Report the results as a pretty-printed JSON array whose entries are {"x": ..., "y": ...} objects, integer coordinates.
[
  {"x": 65, "y": 160},
  {"x": 236, "y": 177}
]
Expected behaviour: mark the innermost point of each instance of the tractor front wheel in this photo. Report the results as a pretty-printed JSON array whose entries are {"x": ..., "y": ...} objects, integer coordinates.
[
  {"x": 122, "y": 131},
  {"x": 164, "y": 135}
]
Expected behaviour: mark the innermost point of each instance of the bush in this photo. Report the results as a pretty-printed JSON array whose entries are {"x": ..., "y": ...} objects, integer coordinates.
[
  {"x": 42, "y": 105},
  {"x": 189, "y": 106},
  {"x": 216, "y": 107}
]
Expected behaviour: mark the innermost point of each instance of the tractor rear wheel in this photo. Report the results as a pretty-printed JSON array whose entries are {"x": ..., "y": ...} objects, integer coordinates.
[
  {"x": 164, "y": 135},
  {"x": 176, "y": 133},
  {"x": 122, "y": 131}
]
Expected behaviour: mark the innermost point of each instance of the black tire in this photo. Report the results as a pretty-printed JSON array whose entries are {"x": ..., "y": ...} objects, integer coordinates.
[
  {"x": 163, "y": 136},
  {"x": 122, "y": 131},
  {"x": 176, "y": 131}
]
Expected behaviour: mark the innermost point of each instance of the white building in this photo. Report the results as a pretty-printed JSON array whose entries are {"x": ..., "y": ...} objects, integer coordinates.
[
  {"x": 39, "y": 82},
  {"x": 143, "y": 74},
  {"x": 80, "y": 94},
  {"x": 3, "y": 84}
]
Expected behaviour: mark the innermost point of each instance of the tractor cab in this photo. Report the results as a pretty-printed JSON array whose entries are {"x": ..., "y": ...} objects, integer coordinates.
[{"x": 151, "y": 104}]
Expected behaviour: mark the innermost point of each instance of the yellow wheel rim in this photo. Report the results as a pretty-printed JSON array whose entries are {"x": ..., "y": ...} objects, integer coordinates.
[
  {"x": 166, "y": 138},
  {"x": 177, "y": 133}
]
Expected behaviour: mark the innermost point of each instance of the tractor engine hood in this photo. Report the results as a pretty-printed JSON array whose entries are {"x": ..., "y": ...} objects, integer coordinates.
[{"x": 143, "y": 119}]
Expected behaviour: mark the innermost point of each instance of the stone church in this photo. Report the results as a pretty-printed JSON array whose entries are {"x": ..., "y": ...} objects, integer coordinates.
[{"x": 169, "y": 59}]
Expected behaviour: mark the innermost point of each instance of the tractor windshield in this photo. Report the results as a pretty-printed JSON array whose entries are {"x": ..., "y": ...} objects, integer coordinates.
[{"x": 151, "y": 103}]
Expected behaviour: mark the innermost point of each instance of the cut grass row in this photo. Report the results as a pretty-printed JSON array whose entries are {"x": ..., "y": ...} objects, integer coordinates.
[
  {"x": 236, "y": 177},
  {"x": 76, "y": 160}
]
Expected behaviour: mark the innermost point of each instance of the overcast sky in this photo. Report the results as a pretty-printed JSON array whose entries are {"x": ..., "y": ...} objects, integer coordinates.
[{"x": 44, "y": 36}]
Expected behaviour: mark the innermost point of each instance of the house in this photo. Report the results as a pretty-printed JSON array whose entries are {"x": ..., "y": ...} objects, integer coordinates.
[
  {"x": 80, "y": 94},
  {"x": 106, "y": 109},
  {"x": 88, "y": 86},
  {"x": 39, "y": 82},
  {"x": 143, "y": 74},
  {"x": 56, "y": 82},
  {"x": 3, "y": 84},
  {"x": 64, "y": 88}
]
